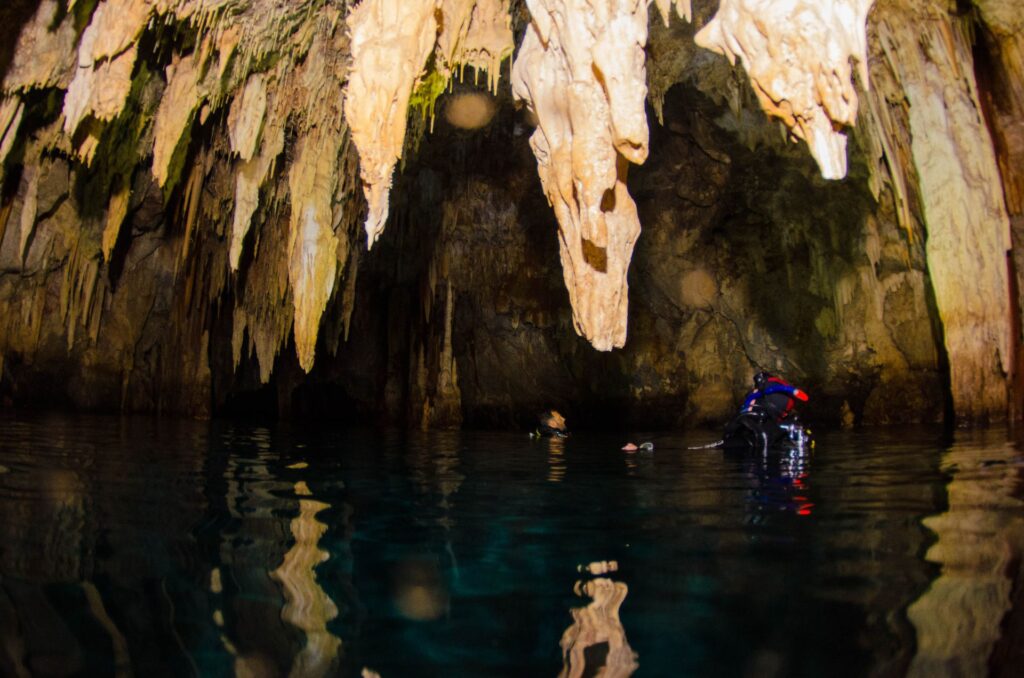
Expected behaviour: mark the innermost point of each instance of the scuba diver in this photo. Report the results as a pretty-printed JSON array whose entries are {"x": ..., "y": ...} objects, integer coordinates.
[
  {"x": 767, "y": 418},
  {"x": 551, "y": 425}
]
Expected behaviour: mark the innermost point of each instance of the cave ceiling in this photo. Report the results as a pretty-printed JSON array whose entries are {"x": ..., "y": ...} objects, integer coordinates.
[{"x": 269, "y": 134}]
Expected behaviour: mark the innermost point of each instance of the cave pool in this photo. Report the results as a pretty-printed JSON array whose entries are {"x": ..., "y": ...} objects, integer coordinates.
[{"x": 148, "y": 547}]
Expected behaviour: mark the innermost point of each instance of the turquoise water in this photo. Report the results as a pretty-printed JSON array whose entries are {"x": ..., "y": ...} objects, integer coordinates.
[{"x": 132, "y": 546}]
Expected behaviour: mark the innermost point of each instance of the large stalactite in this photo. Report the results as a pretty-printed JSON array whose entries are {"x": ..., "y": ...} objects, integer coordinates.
[
  {"x": 180, "y": 175},
  {"x": 581, "y": 71},
  {"x": 798, "y": 56},
  {"x": 391, "y": 42},
  {"x": 390, "y": 46}
]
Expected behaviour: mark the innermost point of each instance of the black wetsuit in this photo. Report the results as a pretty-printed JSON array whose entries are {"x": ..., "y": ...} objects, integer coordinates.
[{"x": 758, "y": 423}]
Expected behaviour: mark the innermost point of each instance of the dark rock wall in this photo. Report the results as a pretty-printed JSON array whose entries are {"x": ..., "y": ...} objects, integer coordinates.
[
  {"x": 747, "y": 260},
  {"x": 459, "y": 315}
]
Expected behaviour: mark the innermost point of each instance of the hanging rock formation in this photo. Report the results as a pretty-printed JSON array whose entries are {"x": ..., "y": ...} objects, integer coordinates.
[
  {"x": 682, "y": 7},
  {"x": 182, "y": 183},
  {"x": 797, "y": 55},
  {"x": 391, "y": 42},
  {"x": 581, "y": 71}
]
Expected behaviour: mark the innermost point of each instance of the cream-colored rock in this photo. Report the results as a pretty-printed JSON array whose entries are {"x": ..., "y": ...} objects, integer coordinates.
[
  {"x": 114, "y": 26},
  {"x": 312, "y": 245},
  {"x": 475, "y": 33},
  {"x": 452, "y": 31},
  {"x": 98, "y": 90},
  {"x": 683, "y": 9},
  {"x": 11, "y": 110},
  {"x": 106, "y": 58},
  {"x": 45, "y": 54},
  {"x": 580, "y": 70},
  {"x": 314, "y": 249},
  {"x": 250, "y": 177},
  {"x": 964, "y": 210},
  {"x": 300, "y": 240},
  {"x": 177, "y": 110},
  {"x": 245, "y": 118},
  {"x": 390, "y": 43},
  {"x": 797, "y": 54},
  {"x": 117, "y": 209}
]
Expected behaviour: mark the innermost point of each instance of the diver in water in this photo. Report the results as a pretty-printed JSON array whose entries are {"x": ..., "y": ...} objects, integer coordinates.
[
  {"x": 552, "y": 425},
  {"x": 766, "y": 418}
]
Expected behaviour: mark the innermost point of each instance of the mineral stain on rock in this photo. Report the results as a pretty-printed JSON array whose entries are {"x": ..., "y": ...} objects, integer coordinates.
[{"x": 183, "y": 185}]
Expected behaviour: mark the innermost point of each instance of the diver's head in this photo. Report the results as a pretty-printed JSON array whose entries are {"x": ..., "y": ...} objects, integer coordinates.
[
  {"x": 761, "y": 380},
  {"x": 553, "y": 419}
]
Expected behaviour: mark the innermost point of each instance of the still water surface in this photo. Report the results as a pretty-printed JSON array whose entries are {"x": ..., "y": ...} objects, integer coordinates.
[{"x": 151, "y": 548}]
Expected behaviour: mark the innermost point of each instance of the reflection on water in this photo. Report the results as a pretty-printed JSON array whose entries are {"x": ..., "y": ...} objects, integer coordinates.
[
  {"x": 556, "y": 459},
  {"x": 979, "y": 544},
  {"x": 135, "y": 547},
  {"x": 595, "y": 643},
  {"x": 307, "y": 606},
  {"x": 119, "y": 646}
]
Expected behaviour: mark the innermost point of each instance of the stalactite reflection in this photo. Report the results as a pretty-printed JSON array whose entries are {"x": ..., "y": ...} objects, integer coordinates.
[
  {"x": 307, "y": 605},
  {"x": 595, "y": 643},
  {"x": 122, "y": 660},
  {"x": 435, "y": 468},
  {"x": 418, "y": 588},
  {"x": 980, "y": 544}
]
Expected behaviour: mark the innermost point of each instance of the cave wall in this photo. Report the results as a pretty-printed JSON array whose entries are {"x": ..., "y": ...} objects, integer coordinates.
[
  {"x": 749, "y": 259},
  {"x": 130, "y": 278}
]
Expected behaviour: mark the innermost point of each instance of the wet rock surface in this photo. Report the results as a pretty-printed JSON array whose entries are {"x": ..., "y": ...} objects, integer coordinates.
[{"x": 193, "y": 244}]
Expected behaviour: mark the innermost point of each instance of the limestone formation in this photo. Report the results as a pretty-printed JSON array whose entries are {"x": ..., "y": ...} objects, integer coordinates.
[
  {"x": 106, "y": 59},
  {"x": 245, "y": 121},
  {"x": 178, "y": 108},
  {"x": 45, "y": 56},
  {"x": 183, "y": 182},
  {"x": 682, "y": 7},
  {"x": 391, "y": 42},
  {"x": 963, "y": 204},
  {"x": 797, "y": 55},
  {"x": 474, "y": 33},
  {"x": 1004, "y": 24},
  {"x": 580, "y": 71}
]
